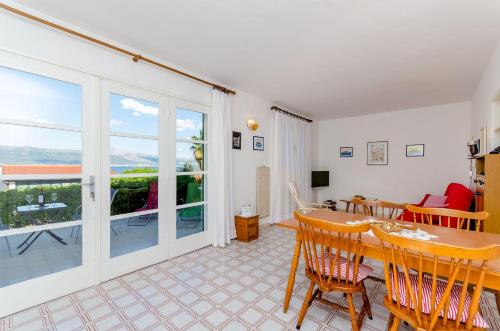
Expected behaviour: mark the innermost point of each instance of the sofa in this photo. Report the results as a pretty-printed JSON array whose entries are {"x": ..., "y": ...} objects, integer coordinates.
[{"x": 459, "y": 197}]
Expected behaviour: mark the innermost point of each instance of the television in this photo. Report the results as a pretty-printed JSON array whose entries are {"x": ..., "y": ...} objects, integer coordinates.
[{"x": 320, "y": 178}]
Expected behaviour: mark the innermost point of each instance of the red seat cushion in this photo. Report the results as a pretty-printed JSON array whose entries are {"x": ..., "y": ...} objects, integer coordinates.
[
  {"x": 478, "y": 321},
  {"x": 363, "y": 270}
]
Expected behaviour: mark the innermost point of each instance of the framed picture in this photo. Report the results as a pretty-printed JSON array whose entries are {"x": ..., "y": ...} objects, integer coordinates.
[
  {"x": 377, "y": 153},
  {"x": 416, "y": 150},
  {"x": 258, "y": 143},
  {"x": 236, "y": 140},
  {"x": 346, "y": 151}
]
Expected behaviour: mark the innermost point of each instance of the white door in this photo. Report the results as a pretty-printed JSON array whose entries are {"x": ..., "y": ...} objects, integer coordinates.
[
  {"x": 135, "y": 176},
  {"x": 47, "y": 161},
  {"x": 188, "y": 222}
]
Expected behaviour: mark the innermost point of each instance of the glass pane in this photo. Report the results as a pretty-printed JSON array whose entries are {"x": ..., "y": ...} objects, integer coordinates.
[
  {"x": 29, "y": 97},
  {"x": 132, "y": 234},
  {"x": 130, "y": 195},
  {"x": 133, "y": 115},
  {"x": 190, "y": 157},
  {"x": 39, "y": 253},
  {"x": 22, "y": 145},
  {"x": 190, "y": 221},
  {"x": 20, "y": 207},
  {"x": 132, "y": 155},
  {"x": 189, "y": 189},
  {"x": 190, "y": 124}
]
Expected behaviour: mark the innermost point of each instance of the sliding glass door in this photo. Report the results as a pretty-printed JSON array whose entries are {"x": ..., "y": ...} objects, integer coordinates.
[
  {"x": 134, "y": 179},
  {"x": 47, "y": 167}
]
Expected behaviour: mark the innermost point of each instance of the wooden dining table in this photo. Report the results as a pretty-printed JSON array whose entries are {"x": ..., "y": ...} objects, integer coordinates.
[{"x": 371, "y": 247}]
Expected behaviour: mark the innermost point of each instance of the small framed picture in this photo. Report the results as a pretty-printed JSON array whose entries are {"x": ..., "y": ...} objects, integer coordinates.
[
  {"x": 236, "y": 140},
  {"x": 258, "y": 143},
  {"x": 346, "y": 151},
  {"x": 416, "y": 150},
  {"x": 377, "y": 153}
]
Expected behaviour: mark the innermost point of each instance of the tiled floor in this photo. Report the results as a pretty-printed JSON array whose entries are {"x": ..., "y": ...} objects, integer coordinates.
[{"x": 240, "y": 287}]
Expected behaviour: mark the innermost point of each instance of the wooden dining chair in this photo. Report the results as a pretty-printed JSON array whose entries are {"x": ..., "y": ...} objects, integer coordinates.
[
  {"x": 420, "y": 296},
  {"x": 327, "y": 250},
  {"x": 450, "y": 218},
  {"x": 379, "y": 208}
]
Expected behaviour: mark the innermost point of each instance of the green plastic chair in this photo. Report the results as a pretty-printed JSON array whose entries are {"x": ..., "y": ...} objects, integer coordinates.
[{"x": 193, "y": 213}]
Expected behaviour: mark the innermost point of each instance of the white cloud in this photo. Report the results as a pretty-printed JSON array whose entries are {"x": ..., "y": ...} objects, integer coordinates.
[
  {"x": 116, "y": 123},
  {"x": 138, "y": 107},
  {"x": 183, "y": 125},
  {"x": 136, "y": 114}
]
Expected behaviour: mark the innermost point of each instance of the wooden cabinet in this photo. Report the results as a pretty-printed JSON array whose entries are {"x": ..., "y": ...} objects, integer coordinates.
[
  {"x": 247, "y": 228},
  {"x": 488, "y": 190}
]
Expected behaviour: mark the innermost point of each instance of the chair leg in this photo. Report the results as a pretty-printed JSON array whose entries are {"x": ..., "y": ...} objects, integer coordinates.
[
  {"x": 305, "y": 305},
  {"x": 395, "y": 323},
  {"x": 390, "y": 320},
  {"x": 366, "y": 303},
  {"x": 8, "y": 246},
  {"x": 352, "y": 312}
]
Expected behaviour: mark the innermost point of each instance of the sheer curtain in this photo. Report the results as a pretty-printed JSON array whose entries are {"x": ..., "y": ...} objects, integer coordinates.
[
  {"x": 291, "y": 162},
  {"x": 220, "y": 189}
]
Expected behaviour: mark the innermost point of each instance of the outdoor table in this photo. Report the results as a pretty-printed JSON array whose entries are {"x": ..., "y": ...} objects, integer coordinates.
[{"x": 59, "y": 206}]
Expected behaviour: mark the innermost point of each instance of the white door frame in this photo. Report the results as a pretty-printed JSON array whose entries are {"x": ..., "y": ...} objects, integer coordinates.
[
  {"x": 35, "y": 291},
  {"x": 120, "y": 265}
]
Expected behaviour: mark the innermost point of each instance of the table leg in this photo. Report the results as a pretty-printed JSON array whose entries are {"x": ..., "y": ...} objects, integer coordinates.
[
  {"x": 291, "y": 277},
  {"x": 31, "y": 243},
  {"x": 26, "y": 240},
  {"x": 56, "y": 237},
  {"x": 497, "y": 299}
]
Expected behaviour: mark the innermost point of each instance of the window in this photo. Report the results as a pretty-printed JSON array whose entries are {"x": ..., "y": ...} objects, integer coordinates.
[
  {"x": 191, "y": 168},
  {"x": 41, "y": 165},
  {"x": 134, "y": 174}
]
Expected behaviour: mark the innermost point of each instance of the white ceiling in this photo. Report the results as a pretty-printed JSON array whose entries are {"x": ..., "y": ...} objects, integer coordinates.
[{"x": 325, "y": 58}]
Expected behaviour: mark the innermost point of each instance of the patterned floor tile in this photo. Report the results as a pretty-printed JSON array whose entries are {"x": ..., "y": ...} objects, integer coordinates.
[{"x": 240, "y": 287}]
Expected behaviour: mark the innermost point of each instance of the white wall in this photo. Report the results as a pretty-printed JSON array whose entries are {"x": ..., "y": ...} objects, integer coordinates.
[
  {"x": 245, "y": 161},
  {"x": 20, "y": 36},
  {"x": 443, "y": 129},
  {"x": 488, "y": 90}
]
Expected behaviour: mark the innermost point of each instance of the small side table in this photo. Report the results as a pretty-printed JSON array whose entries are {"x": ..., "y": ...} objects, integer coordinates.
[{"x": 247, "y": 227}]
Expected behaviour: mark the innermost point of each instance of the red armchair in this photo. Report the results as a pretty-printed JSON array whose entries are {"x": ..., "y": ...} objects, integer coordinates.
[{"x": 459, "y": 197}]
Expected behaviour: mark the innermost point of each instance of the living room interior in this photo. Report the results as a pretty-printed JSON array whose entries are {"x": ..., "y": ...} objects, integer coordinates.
[{"x": 265, "y": 165}]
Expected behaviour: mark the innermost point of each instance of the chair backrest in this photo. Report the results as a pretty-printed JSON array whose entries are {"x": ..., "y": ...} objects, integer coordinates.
[
  {"x": 112, "y": 194},
  {"x": 403, "y": 257},
  {"x": 450, "y": 218},
  {"x": 295, "y": 196},
  {"x": 379, "y": 208},
  {"x": 152, "y": 201},
  {"x": 328, "y": 249}
]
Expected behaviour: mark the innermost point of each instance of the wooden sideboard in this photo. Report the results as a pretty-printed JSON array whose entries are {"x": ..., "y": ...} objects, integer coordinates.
[{"x": 488, "y": 190}]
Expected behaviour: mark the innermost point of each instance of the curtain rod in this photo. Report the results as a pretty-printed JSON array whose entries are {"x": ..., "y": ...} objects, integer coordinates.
[
  {"x": 278, "y": 109},
  {"x": 135, "y": 57}
]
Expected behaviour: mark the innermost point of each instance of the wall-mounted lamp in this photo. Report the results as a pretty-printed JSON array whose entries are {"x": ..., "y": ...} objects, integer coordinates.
[{"x": 252, "y": 124}]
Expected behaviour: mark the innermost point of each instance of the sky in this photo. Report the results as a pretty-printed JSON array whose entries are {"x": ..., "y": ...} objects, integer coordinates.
[{"x": 29, "y": 97}]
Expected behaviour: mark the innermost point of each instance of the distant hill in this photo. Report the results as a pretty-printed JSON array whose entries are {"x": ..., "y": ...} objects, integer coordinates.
[{"x": 32, "y": 155}]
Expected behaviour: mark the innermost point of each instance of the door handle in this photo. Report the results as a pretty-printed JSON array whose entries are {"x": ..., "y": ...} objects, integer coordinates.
[{"x": 91, "y": 185}]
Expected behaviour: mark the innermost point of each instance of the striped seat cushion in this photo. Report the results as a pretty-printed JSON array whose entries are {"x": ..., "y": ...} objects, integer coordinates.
[
  {"x": 440, "y": 288},
  {"x": 363, "y": 270}
]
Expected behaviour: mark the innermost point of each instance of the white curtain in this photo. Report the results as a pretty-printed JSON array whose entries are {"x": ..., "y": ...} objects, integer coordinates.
[
  {"x": 291, "y": 162},
  {"x": 220, "y": 192}
]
